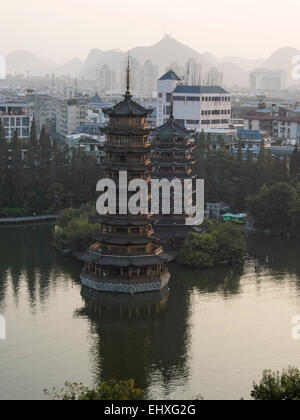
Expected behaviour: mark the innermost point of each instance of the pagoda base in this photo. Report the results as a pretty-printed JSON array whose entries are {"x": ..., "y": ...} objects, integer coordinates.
[{"x": 103, "y": 285}]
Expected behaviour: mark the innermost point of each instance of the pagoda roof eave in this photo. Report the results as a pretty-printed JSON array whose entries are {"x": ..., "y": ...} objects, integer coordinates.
[
  {"x": 126, "y": 240},
  {"x": 123, "y": 261},
  {"x": 116, "y": 220}
]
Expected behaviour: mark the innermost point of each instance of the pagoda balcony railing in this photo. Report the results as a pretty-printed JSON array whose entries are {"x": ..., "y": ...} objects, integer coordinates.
[
  {"x": 127, "y": 162},
  {"x": 164, "y": 143},
  {"x": 171, "y": 159},
  {"x": 130, "y": 142},
  {"x": 121, "y": 252},
  {"x": 133, "y": 235}
]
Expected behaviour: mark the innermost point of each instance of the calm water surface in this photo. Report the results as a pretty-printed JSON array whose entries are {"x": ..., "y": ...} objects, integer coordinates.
[{"x": 212, "y": 333}]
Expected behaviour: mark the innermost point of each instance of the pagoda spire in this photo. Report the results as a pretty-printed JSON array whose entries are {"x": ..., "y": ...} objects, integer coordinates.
[{"x": 128, "y": 93}]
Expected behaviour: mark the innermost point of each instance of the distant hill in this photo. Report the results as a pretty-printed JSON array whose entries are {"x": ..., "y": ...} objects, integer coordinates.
[
  {"x": 72, "y": 68},
  {"x": 281, "y": 59},
  {"x": 244, "y": 63},
  {"x": 161, "y": 54},
  {"x": 233, "y": 75},
  {"x": 97, "y": 58},
  {"x": 22, "y": 62},
  {"x": 168, "y": 49}
]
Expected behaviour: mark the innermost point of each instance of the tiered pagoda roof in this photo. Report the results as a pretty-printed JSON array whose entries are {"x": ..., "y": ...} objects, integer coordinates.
[{"x": 127, "y": 256}]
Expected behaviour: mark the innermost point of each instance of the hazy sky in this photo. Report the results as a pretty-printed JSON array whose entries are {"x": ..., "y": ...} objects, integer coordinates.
[{"x": 63, "y": 29}]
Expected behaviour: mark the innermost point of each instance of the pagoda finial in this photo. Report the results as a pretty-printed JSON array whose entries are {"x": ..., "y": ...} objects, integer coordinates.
[{"x": 128, "y": 93}]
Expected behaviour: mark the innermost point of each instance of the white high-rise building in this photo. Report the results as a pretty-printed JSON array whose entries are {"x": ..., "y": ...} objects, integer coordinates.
[
  {"x": 195, "y": 107},
  {"x": 214, "y": 77},
  {"x": 193, "y": 73},
  {"x": 106, "y": 79},
  {"x": 165, "y": 88},
  {"x": 265, "y": 80},
  {"x": 149, "y": 75},
  {"x": 200, "y": 107}
]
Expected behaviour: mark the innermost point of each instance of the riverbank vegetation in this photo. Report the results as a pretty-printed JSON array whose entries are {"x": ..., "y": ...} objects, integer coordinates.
[
  {"x": 104, "y": 391},
  {"x": 278, "y": 386},
  {"x": 231, "y": 179},
  {"x": 75, "y": 229},
  {"x": 277, "y": 209},
  {"x": 39, "y": 176},
  {"x": 221, "y": 244}
]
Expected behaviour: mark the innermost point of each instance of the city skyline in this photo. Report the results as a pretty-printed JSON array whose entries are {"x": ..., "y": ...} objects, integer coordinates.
[{"x": 110, "y": 26}]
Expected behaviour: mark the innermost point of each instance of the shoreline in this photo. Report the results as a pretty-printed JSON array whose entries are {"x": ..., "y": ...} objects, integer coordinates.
[{"x": 4, "y": 221}]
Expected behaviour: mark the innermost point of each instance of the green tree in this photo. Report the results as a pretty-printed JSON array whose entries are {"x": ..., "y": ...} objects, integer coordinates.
[
  {"x": 3, "y": 166},
  {"x": 16, "y": 172},
  {"x": 276, "y": 386},
  {"x": 270, "y": 207},
  {"x": 221, "y": 244},
  {"x": 106, "y": 390},
  {"x": 295, "y": 164}
]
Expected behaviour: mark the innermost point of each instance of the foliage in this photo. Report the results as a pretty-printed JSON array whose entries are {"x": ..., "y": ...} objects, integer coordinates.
[
  {"x": 231, "y": 179},
  {"x": 274, "y": 207},
  {"x": 40, "y": 176},
  {"x": 276, "y": 386},
  {"x": 74, "y": 229},
  {"x": 221, "y": 244},
  {"x": 106, "y": 390}
]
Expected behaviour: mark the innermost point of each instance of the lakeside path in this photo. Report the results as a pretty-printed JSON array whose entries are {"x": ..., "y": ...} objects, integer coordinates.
[{"x": 24, "y": 220}]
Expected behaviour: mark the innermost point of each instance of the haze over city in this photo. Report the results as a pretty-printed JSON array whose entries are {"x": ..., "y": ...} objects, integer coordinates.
[
  {"x": 61, "y": 29},
  {"x": 150, "y": 202}
]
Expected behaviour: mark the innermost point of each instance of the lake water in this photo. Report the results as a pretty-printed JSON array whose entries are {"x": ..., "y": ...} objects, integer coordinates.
[{"x": 211, "y": 334}]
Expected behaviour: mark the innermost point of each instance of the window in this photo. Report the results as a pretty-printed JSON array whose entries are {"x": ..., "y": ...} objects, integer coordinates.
[
  {"x": 193, "y": 98},
  {"x": 192, "y": 122},
  {"x": 179, "y": 98},
  {"x": 25, "y": 122},
  {"x": 168, "y": 97},
  {"x": 180, "y": 122}
]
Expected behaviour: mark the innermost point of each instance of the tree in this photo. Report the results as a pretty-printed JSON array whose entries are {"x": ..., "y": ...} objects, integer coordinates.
[
  {"x": 295, "y": 164},
  {"x": 31, "y": 160},
  {"x": 276, "y": 386},
  {"x": 3, "y": 165},
  {"x": 106, "y": 390},
  {"x": 75, "y": 230},
  {"x": 221, "y": 244},
  {"x": 16, "y": 172},
  {"x": 270, "y": 207}
]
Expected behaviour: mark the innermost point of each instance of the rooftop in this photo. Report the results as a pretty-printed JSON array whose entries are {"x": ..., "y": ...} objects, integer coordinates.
[
  {"x": 200, "y": 89},
  {"x": 171, "y": 129},
  {"x": 170, "y": 75}
]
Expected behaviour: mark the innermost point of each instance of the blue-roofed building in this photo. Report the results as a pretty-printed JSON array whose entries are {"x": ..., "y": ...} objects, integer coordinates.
[
  {"x": 170, "y": 75},
  {"x": 250, "y": 141},
  {"x": 199, "y": 90},
  {"x": 89, "y": 128}
]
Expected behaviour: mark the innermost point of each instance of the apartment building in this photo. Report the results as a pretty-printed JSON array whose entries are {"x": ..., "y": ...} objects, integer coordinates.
[
  {"x": 71, "y": 113},
  {"x": 195, "y": 107},
  {"x": 265, "y": 80},
  {"x": 16, "y": 116}
]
